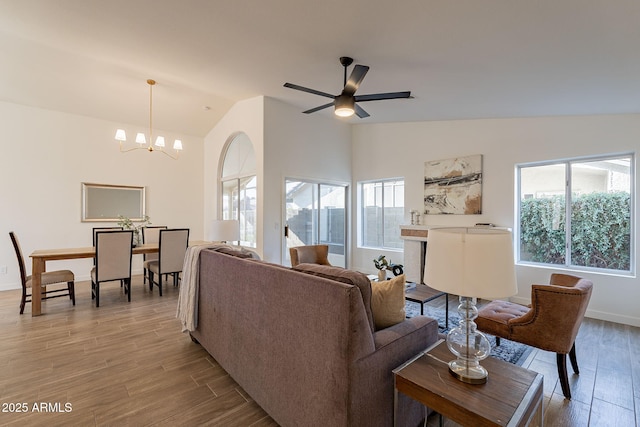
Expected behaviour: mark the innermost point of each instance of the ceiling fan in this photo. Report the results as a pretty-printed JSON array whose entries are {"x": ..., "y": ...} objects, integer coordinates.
[{"x": 345, "y": 103}]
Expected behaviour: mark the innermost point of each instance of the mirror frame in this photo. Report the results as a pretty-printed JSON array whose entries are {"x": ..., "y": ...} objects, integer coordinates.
[{"x": 134, "y": 210}]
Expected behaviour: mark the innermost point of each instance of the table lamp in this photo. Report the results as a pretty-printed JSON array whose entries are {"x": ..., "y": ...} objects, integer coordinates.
[
  {"x": 224, "y": 230},
  {"x": 472, "y": 263}
]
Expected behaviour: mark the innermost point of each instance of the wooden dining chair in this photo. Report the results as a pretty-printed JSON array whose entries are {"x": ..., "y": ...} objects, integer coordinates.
[
  {"x": 113, "y": 261},
  {"x": 150, "y": 234},
  {"x": 96, "y": 229},
  {"x": 172, "y": 249},
  {"x": 56, "y": 277}
]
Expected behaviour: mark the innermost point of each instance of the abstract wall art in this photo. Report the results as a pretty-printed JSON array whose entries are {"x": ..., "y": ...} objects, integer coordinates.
[{"x": 453, "y": 186}]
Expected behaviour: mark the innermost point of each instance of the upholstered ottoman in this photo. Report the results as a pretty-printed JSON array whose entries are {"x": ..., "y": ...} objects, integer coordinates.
[{"x": 494, "y": 317}]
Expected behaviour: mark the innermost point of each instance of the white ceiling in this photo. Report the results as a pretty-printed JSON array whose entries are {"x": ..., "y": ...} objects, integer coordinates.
[{"x": 462, "y": 59}]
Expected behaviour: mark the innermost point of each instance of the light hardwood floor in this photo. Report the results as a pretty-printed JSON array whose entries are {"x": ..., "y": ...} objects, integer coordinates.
[
  {"x": 129, "y": 364},
  {"x": 607, "y": 391},
  {"x": 120, "y": 364}
]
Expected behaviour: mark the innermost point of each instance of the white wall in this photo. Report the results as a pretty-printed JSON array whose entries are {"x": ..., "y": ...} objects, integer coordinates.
[
  {"x": 400, "y": 149},
  {"x": 287, "y": 144},
  {"x": 45, "y": 157},
  {"x": 314, "y": 147},
  {"x": 245, "y": 116}
]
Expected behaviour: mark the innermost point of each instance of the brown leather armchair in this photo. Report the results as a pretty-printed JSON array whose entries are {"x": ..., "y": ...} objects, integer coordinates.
[
  {"x": 311, "y": 254},
  {"x": 551, "y": 322}
]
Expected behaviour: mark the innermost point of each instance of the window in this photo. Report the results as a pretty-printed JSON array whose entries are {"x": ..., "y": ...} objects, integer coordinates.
[
  {"x": 316, "y": 214},
  {"x": 577, "y": 213},
  {"x": 381, "y": 213},
  {"x": 239, "y": 193}
]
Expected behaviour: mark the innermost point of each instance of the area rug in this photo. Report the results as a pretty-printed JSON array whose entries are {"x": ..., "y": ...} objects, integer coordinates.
[{"x": 509, "y": 351}]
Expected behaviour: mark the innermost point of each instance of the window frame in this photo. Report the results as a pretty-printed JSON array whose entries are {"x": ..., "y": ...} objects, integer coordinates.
[
  {"x": 246, "y": 175},
  {"x": 568, "y": 163},
  {"x": 227, "y": 214},
  {"x": 361, "y": 223}
]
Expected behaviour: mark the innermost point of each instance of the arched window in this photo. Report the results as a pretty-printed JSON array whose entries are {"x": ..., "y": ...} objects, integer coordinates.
[{"x": 238, "y": 182}]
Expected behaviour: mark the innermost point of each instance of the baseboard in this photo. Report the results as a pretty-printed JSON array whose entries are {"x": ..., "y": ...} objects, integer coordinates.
[
  {"x": 9, "y": 286},
  {"x": 615, "y": 318}
]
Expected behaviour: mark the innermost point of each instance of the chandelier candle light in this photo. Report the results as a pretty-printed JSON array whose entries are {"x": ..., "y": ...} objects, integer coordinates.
[
  {"x": 473, "y": 263},
  {"x": 121, "y": 135}
]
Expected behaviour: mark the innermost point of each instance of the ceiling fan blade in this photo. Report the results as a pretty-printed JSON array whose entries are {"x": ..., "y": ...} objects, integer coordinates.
[
  {"x": 356, "y": 77},
  {"x": 380, "y": 96},
  {"x": 306, "y": 89},
  {"x": 322, "y": 107},
  {"x": 360, "y": 112}
]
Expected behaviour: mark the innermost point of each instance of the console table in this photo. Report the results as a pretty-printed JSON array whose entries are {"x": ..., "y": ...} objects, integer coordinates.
[
  {"x": 412, "y": 234},
  {"x": 512, "y": 395}
]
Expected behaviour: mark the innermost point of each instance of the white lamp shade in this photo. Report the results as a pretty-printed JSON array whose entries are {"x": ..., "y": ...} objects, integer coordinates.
[
  {"x": 177, "y": 145},
  {"x": 160, "y": 141},
  {"x": 140, "y": 138},
  {"x": 121, "y": 135},
  {"x": 224, "y": 230},
  {"x": 471, "y": 262}
]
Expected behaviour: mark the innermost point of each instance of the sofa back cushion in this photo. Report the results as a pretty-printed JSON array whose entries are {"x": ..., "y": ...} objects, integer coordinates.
[{"x": 343, "y": 275}]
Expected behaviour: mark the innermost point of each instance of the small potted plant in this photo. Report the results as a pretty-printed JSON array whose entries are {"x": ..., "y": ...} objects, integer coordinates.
[
  {"x": 127, "y": 224},
  {"x": 383, "y": 265}
]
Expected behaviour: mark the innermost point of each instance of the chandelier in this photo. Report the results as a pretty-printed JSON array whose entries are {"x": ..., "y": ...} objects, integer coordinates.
[{"x": 141, "y": 139}]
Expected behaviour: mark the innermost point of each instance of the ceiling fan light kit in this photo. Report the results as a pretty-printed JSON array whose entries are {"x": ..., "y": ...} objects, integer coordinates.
[
  {"x": 345, "y": 103},
  {"x": 345, "y": 106}
]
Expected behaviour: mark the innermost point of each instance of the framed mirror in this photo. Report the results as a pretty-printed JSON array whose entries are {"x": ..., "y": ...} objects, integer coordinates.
[{"x": 104, "y": 202}]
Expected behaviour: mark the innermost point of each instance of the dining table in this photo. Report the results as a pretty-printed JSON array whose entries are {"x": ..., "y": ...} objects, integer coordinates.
[{"x": 40, "y": 257}]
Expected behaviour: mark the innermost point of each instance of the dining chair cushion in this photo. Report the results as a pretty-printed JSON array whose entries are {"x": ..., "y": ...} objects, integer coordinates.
[
  {"x": 151, "y": 235},
  {"x": 173, "y": 246},
  {"x": 152, "y": 265},
  {"x": 51, "y": 277},
  {"x": 114, "y": 263}
]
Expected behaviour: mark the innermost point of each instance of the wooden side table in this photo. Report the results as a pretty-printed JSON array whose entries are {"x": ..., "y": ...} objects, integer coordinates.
[
  {"x": 423, "y": 294},
  {"x": 512, "y": 396}
]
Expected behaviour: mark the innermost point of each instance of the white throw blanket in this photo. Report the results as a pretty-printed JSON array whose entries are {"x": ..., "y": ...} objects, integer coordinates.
[{"x": 187, "y": 311}]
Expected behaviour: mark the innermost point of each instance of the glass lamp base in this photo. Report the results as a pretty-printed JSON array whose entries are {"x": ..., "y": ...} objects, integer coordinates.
[
  {"x": 468, "y": 373},
  {"x": 469, "y": 345}
]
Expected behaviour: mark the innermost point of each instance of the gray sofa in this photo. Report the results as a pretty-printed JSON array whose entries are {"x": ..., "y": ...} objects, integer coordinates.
[{"x": 303, "y": 345}]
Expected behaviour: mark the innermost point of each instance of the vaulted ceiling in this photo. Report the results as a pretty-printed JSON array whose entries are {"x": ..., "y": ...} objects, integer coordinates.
[{"x": 461, "y": 59}]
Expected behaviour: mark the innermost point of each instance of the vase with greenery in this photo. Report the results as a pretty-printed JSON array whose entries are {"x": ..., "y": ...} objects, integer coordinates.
[
  {"x": 382, "y": 265},
  {"x": 128, "y": 224}
]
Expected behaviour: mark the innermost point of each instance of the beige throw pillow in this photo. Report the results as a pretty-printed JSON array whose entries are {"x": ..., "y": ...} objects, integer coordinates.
[{"x": 387, "y": 302}]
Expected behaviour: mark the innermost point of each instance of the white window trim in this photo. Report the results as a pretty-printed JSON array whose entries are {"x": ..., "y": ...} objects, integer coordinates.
[
  {"x": 360, "y": 219},
  {"x": 567, "y": 266}
]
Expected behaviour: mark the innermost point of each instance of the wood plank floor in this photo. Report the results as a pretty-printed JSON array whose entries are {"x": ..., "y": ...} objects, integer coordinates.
[
  {"x": 607, "y": 391},
  {"x": 129, "y": 364},
  {"x": 119, "y": 364}
]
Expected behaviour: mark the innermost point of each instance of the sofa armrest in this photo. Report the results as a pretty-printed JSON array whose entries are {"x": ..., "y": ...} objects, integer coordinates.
[
  {"x": 405, "y": 331},
  {"x": 371, "y": 377}
]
